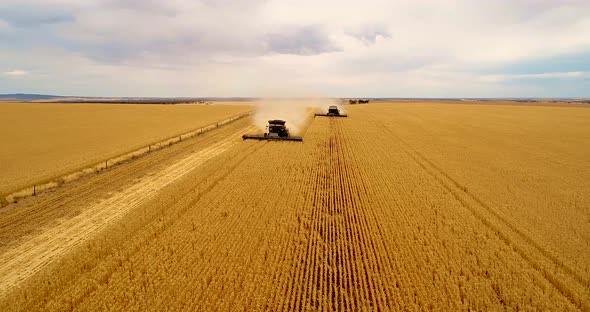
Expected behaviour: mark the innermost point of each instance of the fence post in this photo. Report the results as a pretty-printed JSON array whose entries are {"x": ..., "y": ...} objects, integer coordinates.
[
  {"x": 34, "y": 190},
  {"x": 106, "y": 164},
  {"x": 149, "y": 148}
]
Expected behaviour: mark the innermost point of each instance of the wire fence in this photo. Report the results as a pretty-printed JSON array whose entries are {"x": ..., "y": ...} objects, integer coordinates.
[{"x": 103, "y": 165}]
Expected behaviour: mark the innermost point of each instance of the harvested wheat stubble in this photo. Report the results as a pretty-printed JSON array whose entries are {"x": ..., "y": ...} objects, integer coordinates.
[
  {"x": 346, "y": 220},
  {"x": 51, "y": 244}
]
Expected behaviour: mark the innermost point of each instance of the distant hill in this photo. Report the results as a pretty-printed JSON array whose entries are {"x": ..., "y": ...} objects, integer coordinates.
[
  {"x": 22, "y": 97},
  {"x": 27, "y": 97},
  {"x": 45, "y": 98}
]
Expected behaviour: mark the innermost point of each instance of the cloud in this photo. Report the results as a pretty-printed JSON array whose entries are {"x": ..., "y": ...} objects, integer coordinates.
[
  {"x": 16, "y": 73},
  {"x": 23, "y": 15},
  {"x": 557, "y": 75},
  {"x": 4, "y": 27},
  {"x": 307, "y": 40},
  {"x": 323, "y": 48},
  {"x": 369, "y": 34},
  {"x": 168, "y": 33}
]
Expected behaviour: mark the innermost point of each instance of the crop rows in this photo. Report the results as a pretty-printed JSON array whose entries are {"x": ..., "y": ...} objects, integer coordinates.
[{"x": 351, "y": 219}]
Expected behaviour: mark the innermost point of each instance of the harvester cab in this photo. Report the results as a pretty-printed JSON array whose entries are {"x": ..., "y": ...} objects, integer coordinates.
[
  {"x": 276, "y": 131},
  {"x": 333, "y": 111}
]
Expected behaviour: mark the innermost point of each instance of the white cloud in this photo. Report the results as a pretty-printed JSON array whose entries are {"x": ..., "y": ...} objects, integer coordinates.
[
  {"x": 555, "y": 75},
  {"x": 16, "y": 73},
  {"x": 4, "y": 27},
  {"x": 330, "y": 47}
]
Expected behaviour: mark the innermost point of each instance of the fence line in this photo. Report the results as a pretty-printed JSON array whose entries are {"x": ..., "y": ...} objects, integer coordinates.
[{"x": 98, "y": 167}]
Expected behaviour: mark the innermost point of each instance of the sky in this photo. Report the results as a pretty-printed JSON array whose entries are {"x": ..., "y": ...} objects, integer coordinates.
[{"x": 326, "y": 48}]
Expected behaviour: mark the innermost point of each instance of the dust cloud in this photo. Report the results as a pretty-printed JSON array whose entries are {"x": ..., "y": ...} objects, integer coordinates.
[{"x": 297, "y": 112}]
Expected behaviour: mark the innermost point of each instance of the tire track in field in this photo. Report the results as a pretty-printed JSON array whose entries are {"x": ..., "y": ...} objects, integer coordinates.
[
  {"x": 459, "y": 192},
  {"x": 177, "y": 212},
  {"x": 340, "y": 266},
  {"x": 28, "y": 258}
]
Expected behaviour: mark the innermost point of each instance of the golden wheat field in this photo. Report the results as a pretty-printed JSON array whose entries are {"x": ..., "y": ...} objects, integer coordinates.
[
  {"x": 43, "y": 141},
  {"x": 399, "y": 207}
]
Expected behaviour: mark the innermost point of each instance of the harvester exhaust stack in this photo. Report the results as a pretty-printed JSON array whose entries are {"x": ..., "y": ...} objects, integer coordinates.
[
  {"x": 276, "y": 132},
  {"x": 333, "y": 111}
]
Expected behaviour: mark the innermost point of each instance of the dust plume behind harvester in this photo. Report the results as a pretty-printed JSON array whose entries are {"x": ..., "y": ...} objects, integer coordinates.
[
  {"x": 275, "y": 131},
  {"x": 283, "y": 118},
  {"x": 333, "y": 111}
]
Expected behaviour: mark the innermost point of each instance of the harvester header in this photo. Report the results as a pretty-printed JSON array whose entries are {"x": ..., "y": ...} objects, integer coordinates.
[
  {"x": 276, "y": 131},
  {"x": 333, "y": 111}
]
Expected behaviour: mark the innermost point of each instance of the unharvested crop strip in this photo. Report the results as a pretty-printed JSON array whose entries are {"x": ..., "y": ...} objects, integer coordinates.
[
  {"x": 457, "y": 189},
  {"x": 60, "y": 202},
  {"x": 341, "y": 260},
  {"x": 53, "y": 182}
]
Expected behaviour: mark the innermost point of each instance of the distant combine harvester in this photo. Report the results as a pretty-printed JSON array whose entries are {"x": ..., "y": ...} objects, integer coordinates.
[
  {"x": 359, "y": 101},
  {"x": 333, "y": 111}
]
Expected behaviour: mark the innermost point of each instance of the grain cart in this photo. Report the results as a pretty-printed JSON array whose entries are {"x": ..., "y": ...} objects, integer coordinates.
[{"x": 276, "y": 131}]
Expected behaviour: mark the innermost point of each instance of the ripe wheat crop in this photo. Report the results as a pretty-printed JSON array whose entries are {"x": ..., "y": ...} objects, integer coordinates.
[
  {"x": 400, "y": 206},
  {"x": 43, "y": 141}
]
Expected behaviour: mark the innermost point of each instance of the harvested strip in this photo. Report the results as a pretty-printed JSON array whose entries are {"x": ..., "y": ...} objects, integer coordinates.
[{"x": 19, "y": 263}]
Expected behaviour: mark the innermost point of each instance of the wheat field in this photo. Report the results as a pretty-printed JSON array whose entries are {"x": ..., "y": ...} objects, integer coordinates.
[
  {"x": 400, "y": 206},
  {"x": 43, "y": 141}
]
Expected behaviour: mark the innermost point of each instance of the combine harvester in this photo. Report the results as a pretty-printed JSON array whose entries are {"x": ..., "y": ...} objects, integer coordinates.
[
  {"x": 276, "y": 132},
  {"x": 333, "y": 111}
]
